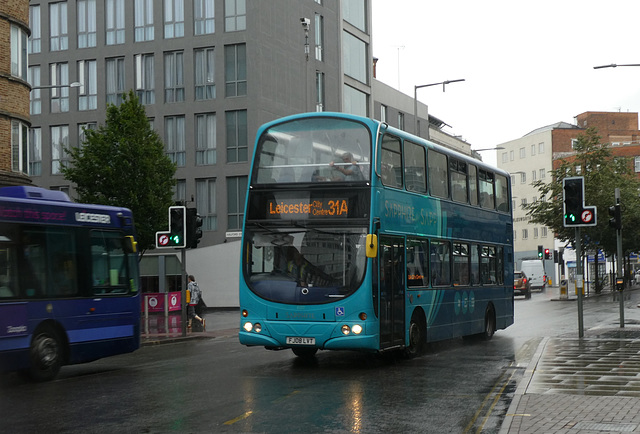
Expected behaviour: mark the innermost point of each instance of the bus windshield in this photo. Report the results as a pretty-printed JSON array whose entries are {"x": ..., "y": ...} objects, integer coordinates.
[
  {"x": 313, "y": 150},
  {"x": 305, "y": 266}
]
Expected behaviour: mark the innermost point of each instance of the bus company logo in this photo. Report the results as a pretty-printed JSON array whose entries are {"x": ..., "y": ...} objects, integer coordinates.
[
  {"x": 87, "y": 217},
  {"x": 16, "y": 329}
]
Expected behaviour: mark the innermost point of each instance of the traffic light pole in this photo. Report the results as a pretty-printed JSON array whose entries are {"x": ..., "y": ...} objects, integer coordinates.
[
  {"x": 619, "y": 272},
  {"x": 579, "y": 281}
]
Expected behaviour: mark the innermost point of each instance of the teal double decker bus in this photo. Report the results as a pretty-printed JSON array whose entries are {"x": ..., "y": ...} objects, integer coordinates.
[{"x": 359, "y": 236}]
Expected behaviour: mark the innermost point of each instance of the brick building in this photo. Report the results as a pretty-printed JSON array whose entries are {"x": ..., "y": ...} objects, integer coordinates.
[{"x": 14, "y": 92}]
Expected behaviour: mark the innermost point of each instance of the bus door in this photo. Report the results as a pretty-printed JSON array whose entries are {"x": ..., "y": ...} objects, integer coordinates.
[{"x": 392, "y": 271}]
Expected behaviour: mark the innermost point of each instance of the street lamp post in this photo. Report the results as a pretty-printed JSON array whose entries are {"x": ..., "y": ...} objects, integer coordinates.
[
  {"x": 613, "y": 65},
  {"x": 415, "y": 102},
  {"x": 57, "y": 86}
]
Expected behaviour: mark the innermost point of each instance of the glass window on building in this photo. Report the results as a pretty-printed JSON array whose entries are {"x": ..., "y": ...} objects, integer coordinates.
[
  {"x": 19, "y": 58},
  {"x": 541, "y": 148},
  {"x": 143, "y": 19},
  {"x": 35, "y": 151},
  {"x": 88, "y": 91},
  {"x": 59, "y": 96},
  {"x": 82, "y": 128},
  {"x": 354, "y": 101},
  {"x": 115, "y": 80},
  {"x": 206, "y": 203},
  {"x": 237, "y": 139},
  {"x": 235, "y": 15},
  {"x": 35, "y": 39},
  {"x": 59, "y": 142},
  {"x": 173, "y": 19},
  {"x": 87, "y": 23},
  {"x": 354, "y": 12},
  {"x": 145, "y": 79},
  {"x": 235, "y": 70},
  {"x": 205, "y": 73},
  {"x": 236, "y": 191},
  {"x": 174, "y": 77},
  {"x": 180, "y": 191},
  {"x": 58, "y": 27},
  {"x": 19, "y": 146},
  {"x": 383, "y": 113},
  {"x": 114, "y": 21},
  {"x": 319, "y": 34},
  {"x": 204, "y": 22},
  {"x": 205, "y": 139},
  {"x": 174, "y": 136},
  {"x": 355, "y": 57},
  {"x": 320, "y": 91},
  {"x": 35, "y": 97}
]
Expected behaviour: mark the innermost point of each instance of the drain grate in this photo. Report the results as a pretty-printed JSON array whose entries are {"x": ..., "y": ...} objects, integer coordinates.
[{"x": 601, "y": 426}]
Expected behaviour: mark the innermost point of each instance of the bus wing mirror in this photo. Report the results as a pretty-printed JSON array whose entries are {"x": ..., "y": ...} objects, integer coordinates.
[
  {"x": 372, "y": 245},
  {"x": 130, "y": 244}
]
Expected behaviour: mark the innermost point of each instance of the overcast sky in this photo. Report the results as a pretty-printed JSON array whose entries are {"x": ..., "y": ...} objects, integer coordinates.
[{"x": 527, "y": 64}]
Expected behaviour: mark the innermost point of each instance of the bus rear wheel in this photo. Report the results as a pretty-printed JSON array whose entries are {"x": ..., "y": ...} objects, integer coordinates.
[
  {"x": 489, "y": 324},
  {"x": 45, "y": 354},
  {"x": 417, "y": 334}
]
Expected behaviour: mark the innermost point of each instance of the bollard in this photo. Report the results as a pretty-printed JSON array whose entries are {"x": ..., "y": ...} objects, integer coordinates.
[{"x": 563, "y": 290}]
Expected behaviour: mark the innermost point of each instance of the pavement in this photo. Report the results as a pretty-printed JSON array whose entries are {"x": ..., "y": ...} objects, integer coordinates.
[
  {"x": 158, "y": 329},
  {"x": 571, "y": 385},
  {"x": 581, "y": 385}
]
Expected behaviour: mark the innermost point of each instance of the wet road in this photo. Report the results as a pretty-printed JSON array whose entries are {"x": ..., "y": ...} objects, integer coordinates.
[{"x": 217, "y": 385}]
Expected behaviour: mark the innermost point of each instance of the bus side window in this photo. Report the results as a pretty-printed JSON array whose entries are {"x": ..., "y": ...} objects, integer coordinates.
[
  {"x": 8, "y": 263},
  {"x": 414, "y": 168},
  {"x": 109, "y": 263},
  {"x": 438, "y": 179},
  {"x": 391, "y": 162},
  {"x": 473, "y": 185}
]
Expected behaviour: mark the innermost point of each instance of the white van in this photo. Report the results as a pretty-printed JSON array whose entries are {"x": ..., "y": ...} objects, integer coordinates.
[{"x": 534, "y": 269}]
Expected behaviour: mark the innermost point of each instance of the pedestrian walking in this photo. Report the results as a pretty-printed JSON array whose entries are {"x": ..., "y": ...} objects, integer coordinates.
[{"x": 196, "y": 296}]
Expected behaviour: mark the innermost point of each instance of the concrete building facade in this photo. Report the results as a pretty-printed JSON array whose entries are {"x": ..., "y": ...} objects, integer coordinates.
[{"x": 209, "y": 73}]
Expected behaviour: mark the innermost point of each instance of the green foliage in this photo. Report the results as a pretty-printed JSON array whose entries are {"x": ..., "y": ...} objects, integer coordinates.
[
  {"x": 123, "y": 163},
  {"x": 602, "y": 173}
]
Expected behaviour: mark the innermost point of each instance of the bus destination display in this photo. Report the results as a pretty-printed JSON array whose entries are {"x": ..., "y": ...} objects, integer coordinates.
[{"x": 306, "y": 208}]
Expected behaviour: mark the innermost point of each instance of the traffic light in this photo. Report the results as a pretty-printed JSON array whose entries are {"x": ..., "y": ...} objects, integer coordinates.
[
  {"x": 547, "y": 254},
  {"x": 575, "y": 212},
  {"x": 616, "y": 217},
  {"x": 177, "y": 227},
  {"x": 573, "y": 200},
  {"x": 194, "y": 228},
  {"x": 539, "y": 252}
]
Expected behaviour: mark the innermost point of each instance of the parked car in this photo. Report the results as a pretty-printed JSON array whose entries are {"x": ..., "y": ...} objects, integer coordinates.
[{"x": 521, "y": 284}]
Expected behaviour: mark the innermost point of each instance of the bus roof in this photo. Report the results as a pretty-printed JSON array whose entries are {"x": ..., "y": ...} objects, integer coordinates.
[{"x": 38, "y": 193}]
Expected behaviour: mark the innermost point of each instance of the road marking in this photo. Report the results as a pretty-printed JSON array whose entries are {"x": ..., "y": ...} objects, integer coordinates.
[
  {"x": 250, "y": 412},
  {"x": 496, "y": 394},
  {"x": 239, "y": 418}
]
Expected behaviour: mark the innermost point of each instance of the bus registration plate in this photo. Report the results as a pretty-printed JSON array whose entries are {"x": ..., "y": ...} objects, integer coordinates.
[{"x": 294, "y": 340}]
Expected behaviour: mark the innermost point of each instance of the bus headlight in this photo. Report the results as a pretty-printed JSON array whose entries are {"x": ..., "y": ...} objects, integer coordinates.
[
  {"x": 357, "y": 329},
  {"x": 257, "y": 328},
  {"x": 247, "y": 326},
  {"x": 346, "y": 329}
]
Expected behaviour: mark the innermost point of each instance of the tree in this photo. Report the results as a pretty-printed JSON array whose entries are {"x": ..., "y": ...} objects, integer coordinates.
[
  {"x": 603, "y": 173},
  {"x": 123, "y": 163}
]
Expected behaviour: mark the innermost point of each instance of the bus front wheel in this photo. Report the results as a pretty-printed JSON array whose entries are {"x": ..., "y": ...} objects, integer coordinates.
[
  {"x": 417, "y": 334},
  {"x": 45, "y": 354}
]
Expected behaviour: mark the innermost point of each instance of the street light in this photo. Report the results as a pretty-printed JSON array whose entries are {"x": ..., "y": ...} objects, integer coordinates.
[
  {"x": 56, "y": 86},
  {"x": 415, "y": 102},
  {"x": 497, "y": 148},
  {"x": 613, "y": 65}
]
